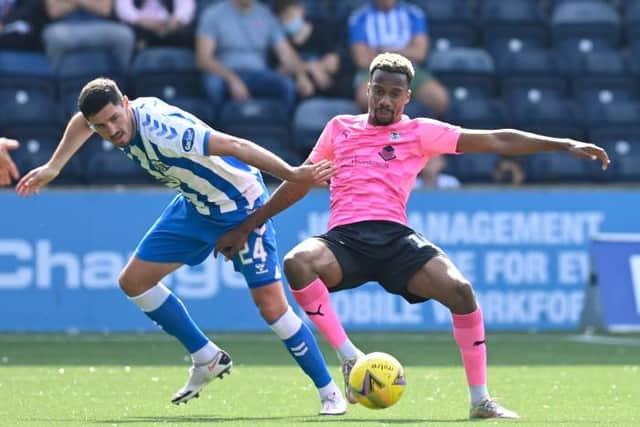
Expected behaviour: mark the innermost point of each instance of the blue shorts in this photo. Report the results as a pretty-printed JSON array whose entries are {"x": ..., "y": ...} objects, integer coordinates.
[{"x": 183, "y": 235}]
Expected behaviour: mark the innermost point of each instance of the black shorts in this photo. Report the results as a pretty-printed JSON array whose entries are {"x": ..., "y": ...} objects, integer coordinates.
[{"x": 382, "y": 251}]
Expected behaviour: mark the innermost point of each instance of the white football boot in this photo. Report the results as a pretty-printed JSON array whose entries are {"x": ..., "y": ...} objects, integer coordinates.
[{"x": 201, "y": 375}]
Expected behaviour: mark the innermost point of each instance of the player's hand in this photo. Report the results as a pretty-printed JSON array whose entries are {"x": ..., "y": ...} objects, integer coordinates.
[
  {"x": 588, "y": 151},
  {"x": 8, "y": 169},
  {"x": 238, "y": 89},
  {"x": 316, "y": 173},
  {"x": 35, "y": 179},
  {"x": 230, "y": 243}
]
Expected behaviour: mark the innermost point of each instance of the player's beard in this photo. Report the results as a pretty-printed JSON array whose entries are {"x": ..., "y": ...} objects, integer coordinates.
[{"x": 384, "y": 119}]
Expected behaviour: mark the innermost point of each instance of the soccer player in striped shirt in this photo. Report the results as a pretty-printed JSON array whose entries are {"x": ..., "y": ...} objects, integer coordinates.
[
  {"x": 378, "y": 156},
  {"x": 219, "y": 184}
]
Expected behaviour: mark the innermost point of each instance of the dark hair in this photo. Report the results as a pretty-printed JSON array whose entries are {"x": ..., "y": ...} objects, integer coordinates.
[
  {"x": 392, "y": 63},
  {"x": 96, "y": 94}
]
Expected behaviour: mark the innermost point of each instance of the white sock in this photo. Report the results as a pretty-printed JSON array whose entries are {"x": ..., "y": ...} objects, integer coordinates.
[
  {"x": 329, "y": 390},
  {"x": 347, "y": 351},
  {"x": 287, "y": 325},
  {"x": 205, "y": 354},
  {"x": 478, "y": 393},
  {"x": 152, "y": 298}
]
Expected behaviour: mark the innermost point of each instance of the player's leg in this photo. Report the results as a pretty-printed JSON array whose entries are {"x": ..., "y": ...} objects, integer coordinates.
[
  {"x": 258, "y": 262},
  {"x": 300, "y": 342},
  {"x": 141, "y": 281},
  {"x": 311, "y": 268},
  {"x": 439, "y": 279}
]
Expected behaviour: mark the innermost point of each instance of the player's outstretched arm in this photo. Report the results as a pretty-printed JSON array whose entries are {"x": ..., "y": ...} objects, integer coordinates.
[
  {"x": 285, "y": 195},
  {"x": 221, "y": 144},
  {"x": 8, "y": 169},
  {"x": 515, "y": 142},
  {"x": 75, "y": 135}
]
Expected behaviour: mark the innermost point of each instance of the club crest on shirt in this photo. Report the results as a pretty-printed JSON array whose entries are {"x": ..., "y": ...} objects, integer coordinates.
[
  {"x": 187, "y": 139},
  {"x": 387, "y": 153},
  {"x": 395, "y": 136}
]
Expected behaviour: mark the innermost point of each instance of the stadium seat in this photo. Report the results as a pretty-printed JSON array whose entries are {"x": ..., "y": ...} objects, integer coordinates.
[
  {"x": 556, "y": 168},
  {"x": 585, "y": 19},
  {"x": 37, "y": 145},
  {"x": 200, "y": 108},
  {"x": 450, "y": 23},
  {"x": 474, "y": 167},
  {"x": 88, "y": 64},
  {"x": 166, "y": 72},
  {"x": 545, "y": 112},
  {"x": 107, "y": 165},
  {"x": 253, "y": 113},
  {"x": 29, "y": 107},
  {"x": 313, "y": 114},
  {"x": 26, "y": 70},
  {"x": 466, "y": 72},
  {"x": 623, "y": 148},
  {"x": 530, "y": 69},
  {"x": 478, "y": 114},
  {"x": 631, "y": 21},
  {"x": 621, "y": 115}
]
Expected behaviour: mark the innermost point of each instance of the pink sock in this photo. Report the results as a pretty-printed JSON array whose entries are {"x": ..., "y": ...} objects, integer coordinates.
[
  {"x": 314, "y": 300},
  {"x": 468, "y": 330}
]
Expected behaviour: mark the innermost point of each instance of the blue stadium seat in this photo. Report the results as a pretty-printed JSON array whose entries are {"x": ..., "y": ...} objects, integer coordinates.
[
  {"x": 466, "y": 72},
  {"x": 29, "y": 107},
  {"x": 166, "y": 72},
  {"x": 89, "y": 64},
  {"x": 200, "y": 108},
  {"x": 26, "y": 70},
  {"x": 621, "y": 115},
  {"x": 545, "y": 112},
  {"x": 474, "y": 167},
  {"x": 631, "y": 21},
  {"x": 107, "y": 165},
  {"x": 478, "y": 114},
  {"x": 37, "y": 145},
  {"x": 623, "y": 148},
  {"x": 313, "y": 114},
  {"x": 580, "y": 57},
  {"x": 253, "y": 113},
  {"x": 557, "y": 168},
  {"x": 450, "y": 23},
  {"x": 526, "y": 70},
  {"x": 585, "y": 19}
]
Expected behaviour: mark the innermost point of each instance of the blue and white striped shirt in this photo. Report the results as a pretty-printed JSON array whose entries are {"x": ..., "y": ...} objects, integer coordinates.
[
  {"x": 392, "y": 29},
  {"x": 171, "y": 145}
]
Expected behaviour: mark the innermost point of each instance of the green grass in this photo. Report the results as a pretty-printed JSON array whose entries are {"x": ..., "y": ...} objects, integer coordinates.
[{"x": 126, "y": 380}]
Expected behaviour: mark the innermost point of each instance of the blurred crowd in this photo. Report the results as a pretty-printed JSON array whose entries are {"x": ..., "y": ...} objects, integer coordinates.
[{"x": 295, "y": 51}]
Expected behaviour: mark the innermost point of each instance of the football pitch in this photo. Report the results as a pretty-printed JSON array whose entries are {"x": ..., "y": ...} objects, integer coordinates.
[{"x": 127, "y": 380}]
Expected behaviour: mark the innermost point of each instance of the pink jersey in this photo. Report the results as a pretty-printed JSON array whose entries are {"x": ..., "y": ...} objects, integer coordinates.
[{"x": 378, "y": 165}]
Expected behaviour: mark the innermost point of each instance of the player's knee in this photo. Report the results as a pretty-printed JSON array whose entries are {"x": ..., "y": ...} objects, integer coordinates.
[
  {"x": 464, "y": 299},
  {"x": 271, "y": 310},
  {"x": 296, "y": 262}
]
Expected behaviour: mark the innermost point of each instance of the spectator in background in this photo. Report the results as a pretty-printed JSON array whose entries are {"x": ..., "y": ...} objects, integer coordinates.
[
  {"x": 233, "y": 42},
  {"x": 21, "y": 23},
  {"x": 509, "y": 171},
  {"x": 397, "y": 27},
  {"x": 433, "y": 177},
  {"x": 316, "y": 43},
  {"x": 8, "y": 169},
  {"x": 159, "y": 22},
  {"x": 85, "y": 24}
]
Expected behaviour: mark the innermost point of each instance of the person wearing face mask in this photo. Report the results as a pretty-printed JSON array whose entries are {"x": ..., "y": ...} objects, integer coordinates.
[{"x": 316, "y": 42}]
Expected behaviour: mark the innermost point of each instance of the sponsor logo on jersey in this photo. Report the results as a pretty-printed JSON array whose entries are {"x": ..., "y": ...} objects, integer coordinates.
[
  {"x": 387, "y": 153},
  {"x": 187, "y": 139}
]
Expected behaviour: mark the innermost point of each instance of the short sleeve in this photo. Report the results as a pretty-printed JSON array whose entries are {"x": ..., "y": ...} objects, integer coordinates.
[
  {"x": 438, "y": 137},
  {"x": 323, "y": 150},
  {"x": 207, "y": 23},
  {"x": 418, "y": 20},
  {"x": 357, "y": 30}
]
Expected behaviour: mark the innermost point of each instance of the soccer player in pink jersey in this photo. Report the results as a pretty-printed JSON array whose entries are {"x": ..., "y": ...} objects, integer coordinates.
[{"x": 378, "y": 156}]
